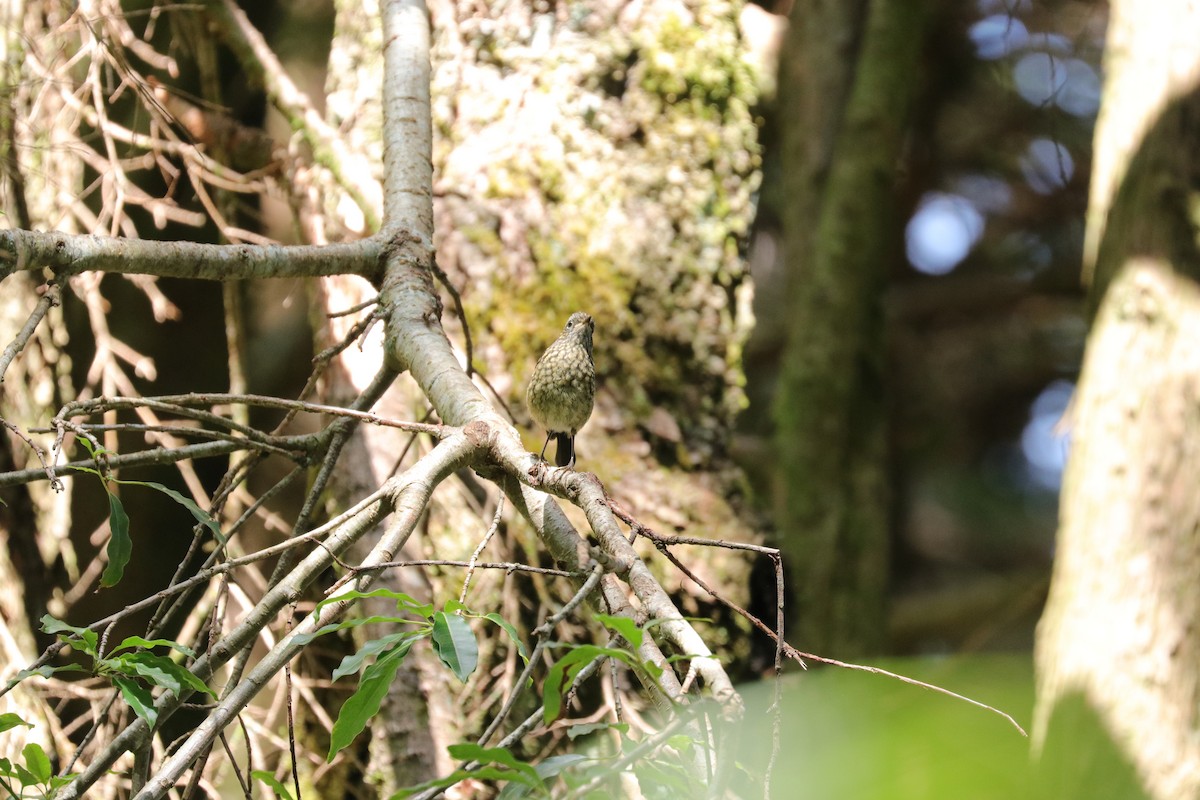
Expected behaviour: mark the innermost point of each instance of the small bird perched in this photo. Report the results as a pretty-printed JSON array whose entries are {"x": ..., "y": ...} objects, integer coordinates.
[{"x": 563, "y": 386}]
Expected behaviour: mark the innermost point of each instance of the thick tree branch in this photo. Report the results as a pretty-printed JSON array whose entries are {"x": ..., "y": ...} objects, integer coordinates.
[{"x": 68, "y": 254}]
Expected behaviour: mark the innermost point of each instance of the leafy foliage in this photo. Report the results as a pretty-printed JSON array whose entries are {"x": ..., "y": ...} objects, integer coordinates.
[
  {"x": 132, "y": 668},
  {"x": 35, "y": 775},
  {"x": 120, "y": 543}
]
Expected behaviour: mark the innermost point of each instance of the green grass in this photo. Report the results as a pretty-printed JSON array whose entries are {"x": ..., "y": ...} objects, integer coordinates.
[{"x": 851, "y": 735}]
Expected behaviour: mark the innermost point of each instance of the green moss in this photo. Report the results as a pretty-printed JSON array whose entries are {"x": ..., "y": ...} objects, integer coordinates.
[{"x": 629, "y": 189}]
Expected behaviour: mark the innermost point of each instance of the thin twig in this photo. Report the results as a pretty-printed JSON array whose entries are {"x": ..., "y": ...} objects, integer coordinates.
[
  {"x": 542, "y": 632},
  {"x": 487, "y": 537},
  {"x": 50, "y": 298},
  {"x": 614, "y": 767},
  {"x": 662, "y": 542},
  {"x": 55, "y": 482}
]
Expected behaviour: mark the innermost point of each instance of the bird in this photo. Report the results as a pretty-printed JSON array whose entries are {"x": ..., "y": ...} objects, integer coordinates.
[{"x": 563, "y": 387}]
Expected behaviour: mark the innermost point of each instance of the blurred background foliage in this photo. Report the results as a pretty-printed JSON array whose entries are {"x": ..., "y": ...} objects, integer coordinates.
[
  {"x": 852, "y": 735},
  {"x": 982, "y": 315}
]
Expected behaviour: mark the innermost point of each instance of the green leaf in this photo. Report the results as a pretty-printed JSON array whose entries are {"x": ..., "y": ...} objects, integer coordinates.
[
  {"x": 26, "y": 777},
  {"x": 459, "y": 775},
  {"x": 84, "y": 639},
  {"x": 270, "y": 780},
  {"x": 138, "y": 697},
  {"x": 404, "y": 602},
  {"x": 160, "y": 671},
  {"x": 37, "y": 762},
  {"x": 468, "y": 751},
  {"x": 575, "y": 731},
  {"x": 551, "y": 767},
  {"x": 93, "y": 451},
  {"x": 306, "y": 638},
  {"x": 455, "y": 644},
  {"x": 10, "y": 720},
  {"x": 137, "y": 641},
  {"x": 624, "y": 627},
  {"x": 562, "y": 673},
  {"x": 512, "y": 634},
  {"x": 353, "y": 663},
  {"x": 120, "y": 545},
  {"x": 364, "y": 703},
  {"x": 44, "y": 672},
  {"x": 130, "y": 665}
]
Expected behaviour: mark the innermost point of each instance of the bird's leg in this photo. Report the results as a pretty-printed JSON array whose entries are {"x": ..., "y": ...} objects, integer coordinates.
[
  {"x": 564, "y": 453},
  {"x": 542, "y": 455}
]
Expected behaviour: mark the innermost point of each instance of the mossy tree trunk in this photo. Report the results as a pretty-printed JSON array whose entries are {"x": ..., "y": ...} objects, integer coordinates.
[
  {"x": 587, "y": 157},
  {"x": 848, "y": 82},
  {"x": 1120, "y": 626}
]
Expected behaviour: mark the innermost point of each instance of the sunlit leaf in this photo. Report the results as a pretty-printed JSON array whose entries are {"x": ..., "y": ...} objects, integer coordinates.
[
  {"x": 455, "y": 644},
  {"x": 404, "y": 602},
  {"x": 270, "y": 780},
  {"x": 84, "y": 639},
  {"x": 353, "y": 663},
  {"x": 37, "y": 762},
  {"x": 138, "y": 697},
  {"x": 459, "y": 775},
  {"x": 162, "y": 671},
  {"x": 306, "y": 638},
  {"x": 623, "y": 626},
  {"x": 9, "y": 721},
  {"x": 467, "y": 751},
  {"x": 137, "y": 641},
  {"x": 562, "y": 674},
  {"x": 45, "y": 671}
]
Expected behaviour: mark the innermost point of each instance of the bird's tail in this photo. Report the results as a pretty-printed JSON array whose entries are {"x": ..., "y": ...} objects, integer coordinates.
[{"x": 564, "y": 454}]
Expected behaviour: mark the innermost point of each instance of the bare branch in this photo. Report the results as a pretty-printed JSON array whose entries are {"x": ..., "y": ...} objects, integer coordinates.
[
  {"x": 406, "y": 495},
  {"x": 68, "y": 254},
  {"x": 156, "y": 456},
  {"x": 409, "y": 495},
  {"x": 51, "y": 297}
]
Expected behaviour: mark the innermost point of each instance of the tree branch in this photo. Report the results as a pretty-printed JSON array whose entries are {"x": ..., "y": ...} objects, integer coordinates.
[
  {"x": 68, "y": 254},
  {"x": 409, "y": 496}
]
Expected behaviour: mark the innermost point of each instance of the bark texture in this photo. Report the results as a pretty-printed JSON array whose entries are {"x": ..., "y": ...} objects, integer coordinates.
[{"x": 1120, "y": 624}]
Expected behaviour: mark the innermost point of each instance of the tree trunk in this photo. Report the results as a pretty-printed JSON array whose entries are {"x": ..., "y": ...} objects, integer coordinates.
[
  {"x": 830, "y": 410},
  {"x": 619, "y": 183},
  {"x": 1120, "y": 623}
]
